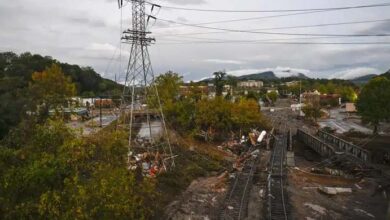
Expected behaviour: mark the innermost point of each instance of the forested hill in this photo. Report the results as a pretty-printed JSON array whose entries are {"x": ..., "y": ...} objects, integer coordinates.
[
  {"x": 17, "y": 71},
  {"x": 16, "y": 75},
  {"x": 386, "y": 74}
]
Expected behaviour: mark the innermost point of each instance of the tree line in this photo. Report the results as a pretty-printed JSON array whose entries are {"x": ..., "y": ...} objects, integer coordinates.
[
  {"x": 211, "y": 118},
  {"x": 17, "y": 75}
]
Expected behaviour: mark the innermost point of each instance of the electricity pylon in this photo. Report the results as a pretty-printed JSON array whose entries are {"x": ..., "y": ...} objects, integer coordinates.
[{"x": 140, "y": 95}]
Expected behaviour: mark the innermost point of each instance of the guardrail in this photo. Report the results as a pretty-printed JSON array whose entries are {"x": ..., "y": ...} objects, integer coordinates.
[
  {"x": 346, "y": 147},
  {"x": 318, "y": 145}
]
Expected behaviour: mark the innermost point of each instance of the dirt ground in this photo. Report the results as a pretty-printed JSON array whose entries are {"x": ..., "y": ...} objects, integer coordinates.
[
  {"x": 201, "y": 200},
  {"x": 204, "y": 198},
  {"x": 309, "y": 203}
]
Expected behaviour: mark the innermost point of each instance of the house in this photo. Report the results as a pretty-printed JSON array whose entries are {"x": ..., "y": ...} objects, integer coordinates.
[
  {"x": 73, "y": 114},
  {"x": 350, "y": 107},
  {"x": 185, "y": 90},
  {"x": 311, "y": 97},
  {"x": 330, "y": 100},
  {"x": 273, "y": 90},
  {"x": 104, "y": 103},
  {"x": 250, "y": 84},
  {"x": 292, "y": 83},
  {"x": 227, "y": 89}
]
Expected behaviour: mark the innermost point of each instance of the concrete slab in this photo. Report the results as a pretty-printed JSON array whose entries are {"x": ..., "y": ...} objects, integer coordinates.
[{"x": 290, "y": 159}]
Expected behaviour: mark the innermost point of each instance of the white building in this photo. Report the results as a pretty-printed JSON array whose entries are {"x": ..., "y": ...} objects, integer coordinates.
[{"x": 250, "y": 84}]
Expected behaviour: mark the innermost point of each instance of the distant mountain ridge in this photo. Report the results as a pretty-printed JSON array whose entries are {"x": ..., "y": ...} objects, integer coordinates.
[
  {"x": 363, "y": 79},
  {"x": 267, "y": 75},
  {"x": 386, "y": 74},
  {"x": 366, "y": 78}
]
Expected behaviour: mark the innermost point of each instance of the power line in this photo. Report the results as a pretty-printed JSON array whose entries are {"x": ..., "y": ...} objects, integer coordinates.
[
  {"x": 259, "y": 40},
  {"x": 287, "y": 43},
  {"x": 251, "y": 18},
  {"x": 274, "y": 33},
  {"x": 278, "y": 10},
  {"x": 287, "y": 27}
]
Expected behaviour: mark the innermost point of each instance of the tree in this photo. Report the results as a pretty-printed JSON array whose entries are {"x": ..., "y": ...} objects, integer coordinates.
[
  {"x": 347, "y": 93},
  {"x": 246, "y": 115},
  {"x": 253, "y": 95},
  {"x": 273, "y": 96},
  {"x": 51, "y": 87},
  {"x": 214, "y": 116},
  {"x": 232, "y": 82},
  {"x": 58, "y": 175},
  {"x": 181, "y": 115},
  {"x": 168, "y": 86},
  {"x": 373, "y": 103},
  {"x": 312, "y": 111},
  {"x": 219, "y": 82}
]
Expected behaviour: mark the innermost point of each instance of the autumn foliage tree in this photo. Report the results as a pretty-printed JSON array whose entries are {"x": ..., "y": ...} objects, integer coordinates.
[
  {"x": 58, "y": 175},
  {"x": 214, "y": 116},
  {"x": 51, "y": 87},
  {"x": 246, "y": 115}
]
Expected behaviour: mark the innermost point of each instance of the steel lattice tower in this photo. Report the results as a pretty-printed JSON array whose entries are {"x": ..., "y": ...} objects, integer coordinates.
[{"x": 139, "y": 89}]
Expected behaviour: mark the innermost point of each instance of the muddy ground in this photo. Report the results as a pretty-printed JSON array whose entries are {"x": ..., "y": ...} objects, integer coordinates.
[
  {"x": 201, "y": 200},
  {"x": 204, "y": 197},
  {"x": 309, "y": 203}
]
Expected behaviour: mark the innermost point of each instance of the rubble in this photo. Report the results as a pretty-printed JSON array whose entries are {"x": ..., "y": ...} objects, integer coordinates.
[
  {"x": 334, "y": 190},
  {"x": 364, "y": 212},
  {"x": 201, "y": 199},
  {"x": 319, "y": 209},
  {"x": 332, "y": 172},
  {"x": 151, "y": 164}
]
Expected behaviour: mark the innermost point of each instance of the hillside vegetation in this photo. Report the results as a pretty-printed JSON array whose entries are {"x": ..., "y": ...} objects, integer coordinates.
[{"x": 16, "y": 73}]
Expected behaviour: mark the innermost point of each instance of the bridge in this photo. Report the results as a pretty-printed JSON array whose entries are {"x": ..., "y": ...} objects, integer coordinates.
[
  {"x": 346, "y": 147},
  {"x": 321, "y": 147},
  {"x": 328, "y": 145}
]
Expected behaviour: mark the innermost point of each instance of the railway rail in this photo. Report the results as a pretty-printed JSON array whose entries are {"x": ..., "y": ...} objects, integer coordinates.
[
  {"x": 236, "y": 203},
  {"x": 277, "y": 198}
]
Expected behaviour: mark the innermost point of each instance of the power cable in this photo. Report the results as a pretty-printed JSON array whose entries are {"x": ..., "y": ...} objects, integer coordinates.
[
  {"x": 287, "y": 27},
  {"x": 281, "y": 43},
  {"x": 274, "y": 33},
  {"x": 260, "y": 40},
  {"x": 249, "y": 19},
  {"x": 277, "y": 10}
]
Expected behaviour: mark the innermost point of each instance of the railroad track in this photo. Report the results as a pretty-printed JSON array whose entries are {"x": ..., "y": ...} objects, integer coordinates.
[
  {"x": 277, "y": 198},
  {"x": 236, "y": 203}
]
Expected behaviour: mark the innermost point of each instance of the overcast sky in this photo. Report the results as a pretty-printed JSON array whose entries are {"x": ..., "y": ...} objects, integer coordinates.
[{"x": 87, "y": 33}]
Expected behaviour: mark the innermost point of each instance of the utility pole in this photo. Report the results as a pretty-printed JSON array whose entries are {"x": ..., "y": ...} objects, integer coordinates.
[
  {"x": 300, "y": 97},
  {"x": 139, "y": 81},
  {"x": 100, "y": 112},
  {"x": 300, "y": 92}
]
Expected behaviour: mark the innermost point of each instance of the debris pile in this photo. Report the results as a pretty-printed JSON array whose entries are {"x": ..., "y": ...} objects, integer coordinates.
[
  {"x": 239, "y": 147},
  {"x": 149, "y": 164}
]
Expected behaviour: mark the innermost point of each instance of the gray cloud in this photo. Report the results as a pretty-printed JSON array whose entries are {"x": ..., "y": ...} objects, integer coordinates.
[
  {"x": 87, "y": 33},
  {"x": 83, "y": 20},
  {"x": 380, "y": 28},
  {"x": 187, "y": 2}
]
